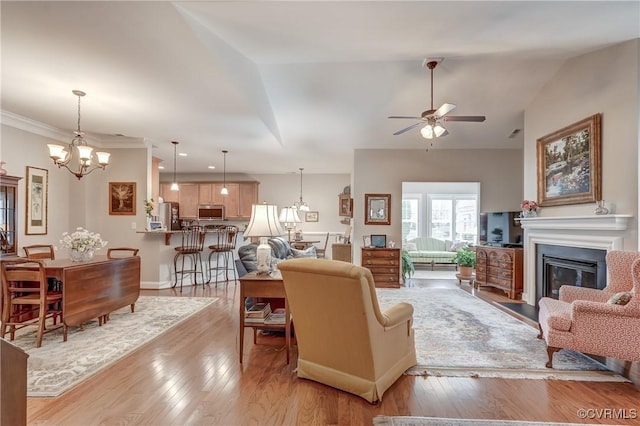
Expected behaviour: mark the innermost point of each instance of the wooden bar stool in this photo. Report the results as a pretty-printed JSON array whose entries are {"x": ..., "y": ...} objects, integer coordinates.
[
  {"x": 191, "y": 247},
  {"x": 225, "y": 237}
]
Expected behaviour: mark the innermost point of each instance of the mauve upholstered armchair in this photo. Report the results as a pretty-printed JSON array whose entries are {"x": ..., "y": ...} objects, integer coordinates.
[
  {"x": 584, "y": 320},
  {"x": 344, "y": 340}
]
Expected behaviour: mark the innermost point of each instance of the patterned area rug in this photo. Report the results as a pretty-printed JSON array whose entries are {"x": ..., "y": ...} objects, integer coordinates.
[
  {"x": 58, "y": 366},
  {"x": 458, "y": 334},
  {"x": 440, "y": 421}
]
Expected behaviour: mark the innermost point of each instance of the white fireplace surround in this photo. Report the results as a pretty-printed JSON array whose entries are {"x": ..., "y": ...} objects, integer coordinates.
[{"x": 605, "y": 232}]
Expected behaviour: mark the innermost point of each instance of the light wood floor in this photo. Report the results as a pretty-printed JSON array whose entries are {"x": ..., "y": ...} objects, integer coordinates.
[{"x": 191, "y": 375}]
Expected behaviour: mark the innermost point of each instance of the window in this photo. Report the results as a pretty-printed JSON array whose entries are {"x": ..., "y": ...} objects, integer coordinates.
[
  {"x": 453, "y": 217},
  {"x": 410, "y": 217}
]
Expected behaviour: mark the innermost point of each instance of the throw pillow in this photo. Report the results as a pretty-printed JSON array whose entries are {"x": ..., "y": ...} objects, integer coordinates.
[
  {"x": 308, "y": 252},
  {"x": 410, "y": 246},
  {"x": 621, "y": 298},
  {"x": 458, "y": 245}
]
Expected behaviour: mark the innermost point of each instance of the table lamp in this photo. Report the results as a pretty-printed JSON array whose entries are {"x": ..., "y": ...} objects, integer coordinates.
[
  {"x": 289, "y": 216},
  {"x": 263, "y": 224}
]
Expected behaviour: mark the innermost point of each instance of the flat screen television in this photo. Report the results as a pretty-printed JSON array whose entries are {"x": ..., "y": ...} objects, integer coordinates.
[{"x": 500, "y": 229}]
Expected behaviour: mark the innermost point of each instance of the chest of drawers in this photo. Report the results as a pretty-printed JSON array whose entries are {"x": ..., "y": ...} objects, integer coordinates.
[
  {"x": 500, "y": 268},
  {"x": 384, "y": 264}
]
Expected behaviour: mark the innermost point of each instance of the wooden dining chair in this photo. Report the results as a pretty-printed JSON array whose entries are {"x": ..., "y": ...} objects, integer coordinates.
[
  {"x": 117, "y": 252},
  {"x": 39, "y": 251},
  {"x": 320, "y": 252},
  {"x": 27, "y": 300}
]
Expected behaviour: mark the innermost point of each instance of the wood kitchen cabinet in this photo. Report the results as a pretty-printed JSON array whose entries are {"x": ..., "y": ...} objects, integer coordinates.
[
  {"x": 168, "y": 196},
  {"x": 384, "y": 264},
  {"x": 500, "y": 268},
  {"x": 188, "y": 199},
  {"x": 237, "y": 203}
]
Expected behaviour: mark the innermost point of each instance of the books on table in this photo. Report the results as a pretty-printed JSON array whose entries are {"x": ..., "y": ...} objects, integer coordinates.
[
  {"x": 276, "y": 317},
  {"x": 257, "y": 313}
]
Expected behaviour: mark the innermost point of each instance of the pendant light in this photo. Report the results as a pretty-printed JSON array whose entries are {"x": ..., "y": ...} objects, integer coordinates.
[
  {"x": 301, "y": 205},
  {"x": 224, "y": 190},
  {"x": 174, "y": 184},
  {"x": 80, "y": 149}
]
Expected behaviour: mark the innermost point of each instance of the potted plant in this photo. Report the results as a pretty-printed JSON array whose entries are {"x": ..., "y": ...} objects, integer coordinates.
[
  {"x": 466, "y": 260},
  {"x": 407, "y": 265}
]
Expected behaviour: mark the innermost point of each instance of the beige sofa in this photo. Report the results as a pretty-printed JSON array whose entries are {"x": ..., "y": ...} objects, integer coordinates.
[{"x": 344, "y": 341}]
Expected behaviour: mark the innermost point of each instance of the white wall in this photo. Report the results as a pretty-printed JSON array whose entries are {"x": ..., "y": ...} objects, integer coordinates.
[
  {"x": 605, "y": 81},
  {"x": 499, "y": 173}
]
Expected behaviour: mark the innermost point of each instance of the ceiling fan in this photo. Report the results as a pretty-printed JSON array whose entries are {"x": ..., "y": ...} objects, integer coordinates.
[{"x": 434, "y": 117}]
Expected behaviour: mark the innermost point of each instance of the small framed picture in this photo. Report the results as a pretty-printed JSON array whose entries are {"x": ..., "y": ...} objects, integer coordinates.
[
  {"x": 311, "y": 216},
  {"x": 122, "y": 198},
  {"x": 37, "y": 201},
  {"x": 379, "y": 241},
  {"x": 155, "y": 225},
  {"x": 366, "y": 240},
  {"x": 377, "y": 209}
]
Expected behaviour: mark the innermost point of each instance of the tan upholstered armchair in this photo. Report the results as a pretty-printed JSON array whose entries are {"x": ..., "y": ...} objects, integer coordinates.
[
  {"x": 586, "y": 320},
  {"x": 344, "y": 340}
]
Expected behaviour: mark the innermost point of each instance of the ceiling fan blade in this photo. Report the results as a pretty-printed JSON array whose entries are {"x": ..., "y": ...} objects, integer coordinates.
[
  {"x": 445, "y": 108},
  {"x": 406, "y": 129},
  {"x": 403, "y": 116},
  {"x": 475, "y": 118}
]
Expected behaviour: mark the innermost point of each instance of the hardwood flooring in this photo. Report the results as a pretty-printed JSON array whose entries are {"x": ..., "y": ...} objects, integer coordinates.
[{"x": 191, "y": 375}]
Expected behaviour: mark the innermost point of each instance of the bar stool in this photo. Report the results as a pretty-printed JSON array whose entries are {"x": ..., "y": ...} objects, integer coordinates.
[
  {"x": 192, "y": 246},
  {"x": 225, "y": 243}
]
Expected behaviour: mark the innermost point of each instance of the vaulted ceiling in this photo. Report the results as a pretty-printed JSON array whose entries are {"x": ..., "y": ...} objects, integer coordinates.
[{"x": 283, "y": 85}]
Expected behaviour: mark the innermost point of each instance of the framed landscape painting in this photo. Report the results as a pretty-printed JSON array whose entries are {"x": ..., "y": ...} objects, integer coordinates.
[
  {"x": 37, "y": 201},
  {"x": 122, "y": 198},
  {"x": 569, "y": 164}
]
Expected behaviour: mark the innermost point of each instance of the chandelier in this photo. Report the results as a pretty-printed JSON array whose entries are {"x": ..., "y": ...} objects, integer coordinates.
[
  {"x": 82, "y": 165},
  {"x": 301, "y": 205}
]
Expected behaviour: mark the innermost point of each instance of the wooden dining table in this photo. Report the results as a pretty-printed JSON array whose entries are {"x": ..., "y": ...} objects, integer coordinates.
[
  {"x": 302, "y": 244},
  {"x": 95, "y": 288}
]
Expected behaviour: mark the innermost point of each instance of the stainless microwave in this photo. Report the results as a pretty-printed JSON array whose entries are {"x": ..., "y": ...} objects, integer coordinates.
[{"x": 210, "y": 212}]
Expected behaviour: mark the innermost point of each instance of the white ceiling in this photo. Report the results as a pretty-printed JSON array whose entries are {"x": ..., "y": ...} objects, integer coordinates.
[{"x": 283, "y": 85}]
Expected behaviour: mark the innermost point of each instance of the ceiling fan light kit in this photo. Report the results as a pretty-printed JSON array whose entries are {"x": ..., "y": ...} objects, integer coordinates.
[{"x": 434, "y": 117}]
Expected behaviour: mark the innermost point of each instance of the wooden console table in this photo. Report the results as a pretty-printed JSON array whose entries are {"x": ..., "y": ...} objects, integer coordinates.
[{"x": 254, "y": 285}]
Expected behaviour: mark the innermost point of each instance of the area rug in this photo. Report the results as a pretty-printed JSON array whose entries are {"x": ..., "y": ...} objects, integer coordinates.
[
  {"x": 460, "y": 335},
  {"x": 58, "y": 366},
  {"x": 441, "y": 421}
]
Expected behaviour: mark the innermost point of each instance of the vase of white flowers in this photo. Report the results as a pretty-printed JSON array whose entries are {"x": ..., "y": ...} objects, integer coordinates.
[{"x": 82, "y": 244}]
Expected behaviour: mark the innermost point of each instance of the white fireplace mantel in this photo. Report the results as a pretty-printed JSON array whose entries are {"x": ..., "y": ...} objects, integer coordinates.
[
  {"x": 605, "y": 222},
  {"x": 604, "y": 232}
]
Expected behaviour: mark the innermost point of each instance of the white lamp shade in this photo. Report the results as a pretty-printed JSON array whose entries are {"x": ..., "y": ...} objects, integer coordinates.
[
  {"x": 289, "y": 215},
  {"x": 103, "y": 158},
  {"x": 427, "y": 132},
  {"x": 224, "y": 191},
  {"x": 175, "y": 187},
  {"x": 438, "y": 130},
  {"x": 56, "y": 151},
  {"x": 304, "y": 207},
  {"x": 264, "y": 221},
  {"x": 84, "y": 152}
]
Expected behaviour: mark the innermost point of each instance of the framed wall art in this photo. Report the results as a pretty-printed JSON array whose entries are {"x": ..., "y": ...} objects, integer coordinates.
[
  {"x": 122, "y": 198},
  {"x": 569, "y": 164},
  {"x": 37, "y": 201},
  {"x": 377, "y": 209},
  {"x": 311, "y": 216},
  {"x": 345, "y": 206}
]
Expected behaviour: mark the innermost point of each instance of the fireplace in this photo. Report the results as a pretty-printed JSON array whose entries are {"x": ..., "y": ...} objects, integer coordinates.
[
  {"x": 602, "y": 233},
  {"x": 561, "y": 265}
]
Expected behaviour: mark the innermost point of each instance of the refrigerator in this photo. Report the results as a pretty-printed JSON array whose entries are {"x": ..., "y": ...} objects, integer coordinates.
[{"x": 170, "y": 216}]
